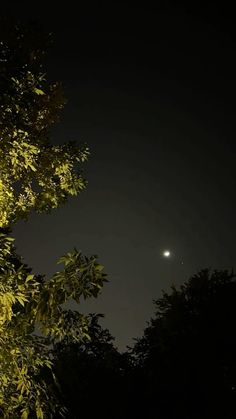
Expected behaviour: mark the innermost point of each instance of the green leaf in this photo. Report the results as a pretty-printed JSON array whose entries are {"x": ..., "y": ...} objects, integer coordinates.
[
  {"x": 29, "y": 278},
  {"x": 25, "y": 414},
  {"x": 38, "y": 91},
  {"x": 39, "y": 411}
]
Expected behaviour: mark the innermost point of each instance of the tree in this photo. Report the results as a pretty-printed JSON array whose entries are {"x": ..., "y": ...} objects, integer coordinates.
[
  {"x": 35, "y": 175},
  {"x": 186, "y": 357},
  {"x": 92, "y": 375}
]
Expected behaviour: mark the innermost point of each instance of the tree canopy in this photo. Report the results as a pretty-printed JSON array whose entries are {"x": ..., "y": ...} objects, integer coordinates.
[
  {"x": 183, "y": 367},
  {"x": 186, "y": 357},
  {"x": 92, "y": 375},
  {"x": 35, "y": 175}
]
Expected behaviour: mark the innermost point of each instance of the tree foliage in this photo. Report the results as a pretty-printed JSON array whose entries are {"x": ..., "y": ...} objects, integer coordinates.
[
  {"x": 29, "y": 303},
  {"x": 183, "y": 367},
  {"x": 186, "y": 357},
  {"x": 92, "y": 375},
  {"x": 35, "y": 175}
]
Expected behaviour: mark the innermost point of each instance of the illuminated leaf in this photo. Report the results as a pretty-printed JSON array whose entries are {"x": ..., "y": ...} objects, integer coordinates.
[{"x": 38, "y": 91}]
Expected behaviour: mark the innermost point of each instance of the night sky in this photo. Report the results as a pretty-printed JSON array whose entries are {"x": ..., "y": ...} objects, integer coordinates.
[{"x": 152, "y": 92}]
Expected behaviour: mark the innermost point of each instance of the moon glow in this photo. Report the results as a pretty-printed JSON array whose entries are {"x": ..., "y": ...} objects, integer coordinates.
[{"x": 166, "y": 253}]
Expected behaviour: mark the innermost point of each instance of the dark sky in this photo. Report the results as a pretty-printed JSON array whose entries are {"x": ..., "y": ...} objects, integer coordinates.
[{"x": 152, "y": 92}]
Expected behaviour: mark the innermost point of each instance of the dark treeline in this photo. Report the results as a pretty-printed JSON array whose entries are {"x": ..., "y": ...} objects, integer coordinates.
[{"x": 183, "y": 367}]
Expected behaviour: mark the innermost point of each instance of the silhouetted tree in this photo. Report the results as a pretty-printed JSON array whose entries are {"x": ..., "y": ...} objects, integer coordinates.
[
  {"x": 92, "y": 375},
  {"x": 186, "y": 358}
]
